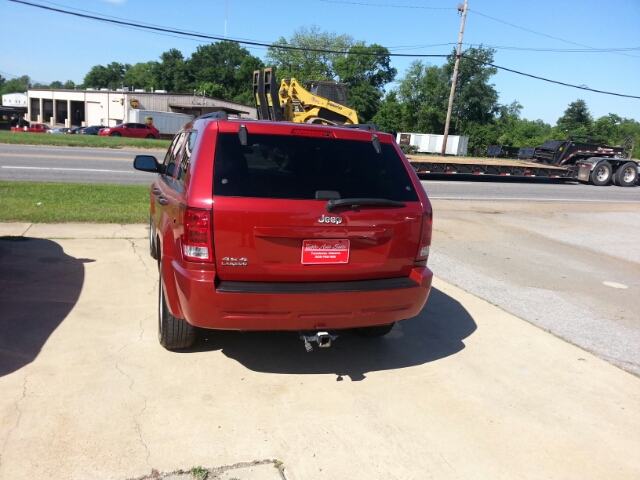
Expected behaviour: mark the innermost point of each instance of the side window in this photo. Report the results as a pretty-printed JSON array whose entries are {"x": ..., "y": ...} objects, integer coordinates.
[
  {"x": 170, "y": 158},
  {"x": 186, "y": 158}
]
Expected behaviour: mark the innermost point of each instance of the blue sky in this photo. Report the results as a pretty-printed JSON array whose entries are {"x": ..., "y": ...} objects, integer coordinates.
[{"x": 51, "y": 46}]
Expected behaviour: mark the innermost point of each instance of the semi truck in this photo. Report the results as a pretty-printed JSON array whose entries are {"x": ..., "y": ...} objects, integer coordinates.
[{"x": 576, "y": 158}]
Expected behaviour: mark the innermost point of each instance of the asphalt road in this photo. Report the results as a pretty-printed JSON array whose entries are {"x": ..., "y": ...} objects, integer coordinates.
[
  {"x": 104, "y": 165},
  {"x": 72, "y": 164},
  {"x": 571, "y": 268}
]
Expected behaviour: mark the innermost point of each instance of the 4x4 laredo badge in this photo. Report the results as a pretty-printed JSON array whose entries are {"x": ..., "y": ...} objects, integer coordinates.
[
  {"x": 235, "y": 262},
  {"x": 325, "y": 219}
]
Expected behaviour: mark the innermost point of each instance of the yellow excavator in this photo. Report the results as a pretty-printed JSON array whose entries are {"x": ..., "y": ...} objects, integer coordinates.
[{"x": 321, "y": 102}]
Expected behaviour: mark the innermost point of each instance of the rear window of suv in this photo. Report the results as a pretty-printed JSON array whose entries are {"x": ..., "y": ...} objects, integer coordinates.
[{"x": 291, "y": 167}]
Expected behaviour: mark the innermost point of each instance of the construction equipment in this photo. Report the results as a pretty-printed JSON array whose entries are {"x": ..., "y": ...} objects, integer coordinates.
[
  {"x": 321, "y": 102},
  {"x": 502, "y": 151},
  {"x": 576, "y": 148},
  {"x": 576, "y": 158}
]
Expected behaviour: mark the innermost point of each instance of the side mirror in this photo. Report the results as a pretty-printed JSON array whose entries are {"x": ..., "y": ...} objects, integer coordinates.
[{"x": 146, "y": 163}]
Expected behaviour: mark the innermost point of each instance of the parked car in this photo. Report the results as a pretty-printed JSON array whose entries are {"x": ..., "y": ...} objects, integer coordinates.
[
  {"x": 93, "y": 130},
  {"x": 261, "y": 225},
  {"x": 73, "y": 130},
  {"x": 59, "y": 130},
  {"x": 131, "y": 130}
]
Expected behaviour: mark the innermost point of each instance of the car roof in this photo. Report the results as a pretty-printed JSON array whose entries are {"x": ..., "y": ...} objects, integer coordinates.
[{"x": 230, "y": 125}]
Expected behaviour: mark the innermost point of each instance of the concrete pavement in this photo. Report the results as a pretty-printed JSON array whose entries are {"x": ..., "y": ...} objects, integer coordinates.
[{"x": 464, "y": 390}]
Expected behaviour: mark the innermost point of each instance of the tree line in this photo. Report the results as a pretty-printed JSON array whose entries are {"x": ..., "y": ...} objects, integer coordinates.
[{"x": 417, "y": 103}]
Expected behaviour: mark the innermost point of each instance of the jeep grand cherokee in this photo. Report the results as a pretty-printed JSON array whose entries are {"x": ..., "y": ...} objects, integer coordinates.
[{"x": 261, "y": 225}]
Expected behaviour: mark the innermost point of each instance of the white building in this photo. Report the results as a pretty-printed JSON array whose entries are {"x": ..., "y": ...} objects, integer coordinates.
[
  {"x": 110, "y": 107},
  {"x": 14, "y": 100}
]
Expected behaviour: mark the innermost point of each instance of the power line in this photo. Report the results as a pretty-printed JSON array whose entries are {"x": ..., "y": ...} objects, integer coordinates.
[
  {"x": 581, "y": 87},
  {"x": 544, "y": 34},
  {"x": 289, "y": 47},
  {"x": 611, "y": 50},
  {"x": 214, "y": 37},
  {"x": 387, "y": 5}
]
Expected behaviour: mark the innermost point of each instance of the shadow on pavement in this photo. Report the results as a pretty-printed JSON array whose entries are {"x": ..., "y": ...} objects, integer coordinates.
[
  {"x": 39, "y": 285},
  {"x": 437, "y": 332}
]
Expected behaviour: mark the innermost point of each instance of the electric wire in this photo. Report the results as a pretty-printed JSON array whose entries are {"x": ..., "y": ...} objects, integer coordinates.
[
  {"x": 387, "y": 5},
  {"x": 290, "y": 47},
  {"x": 544, "y": 34},
  {"x": 589, "y": 48}
]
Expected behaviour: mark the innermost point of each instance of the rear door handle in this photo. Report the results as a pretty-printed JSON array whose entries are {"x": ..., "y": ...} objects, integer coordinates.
[
  {"x": 163, "y": 201},
  {"x": 156, "y": 191}
]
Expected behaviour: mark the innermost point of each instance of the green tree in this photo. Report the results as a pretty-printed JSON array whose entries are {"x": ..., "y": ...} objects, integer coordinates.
[
  {"x": 225, "y": 65},
  {"x": 111, "y": 76},
  {"x": 56, "y": 85},
  {"x": 2, "y": 81},
  {"x": 577, "y": 119},
  {"x": 140, "y": 75},
  {"x": 423, "y": 93},
  {"x": 306, "y": 64},
  {"x": 16, "y": 85},
  {"x": 69, "y": 85},
  {"x": 389, "y": 117},
  {"x": 476, "y": 100},
  {"x": 367, "y": 70},
  {"x": 169, "y": 73}
]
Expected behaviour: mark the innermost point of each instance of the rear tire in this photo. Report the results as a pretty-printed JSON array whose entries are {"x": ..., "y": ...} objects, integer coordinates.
[
  {"x": 601, "y": 175},
  {"x": 115, "y": 134},
  {"x": 376, "y": 331},
  {"x": 173, "y": 333},
  {"x": 626, "y": 175},
  {"x": 150, "y": 137}
]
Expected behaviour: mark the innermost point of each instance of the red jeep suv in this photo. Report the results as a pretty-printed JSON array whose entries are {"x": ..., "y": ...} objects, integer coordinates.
[{"x": 262, "y": 225}]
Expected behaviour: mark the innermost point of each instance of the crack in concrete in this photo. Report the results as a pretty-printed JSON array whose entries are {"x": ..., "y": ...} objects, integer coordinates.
[
  {"x": 130, "y": 343},
  {"x": 146, "y": 267},
  {"x": 28, "y": 228},
  {"x": 215, "y": 472},
  {"x": 17, "y": 407},
  {"x": 137, "y": 415}
]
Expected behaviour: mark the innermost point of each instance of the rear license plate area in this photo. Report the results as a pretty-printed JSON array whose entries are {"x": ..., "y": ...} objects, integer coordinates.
[{"x": 325, "y": 252}]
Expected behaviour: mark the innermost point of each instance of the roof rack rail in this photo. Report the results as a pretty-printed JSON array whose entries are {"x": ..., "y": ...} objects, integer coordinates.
[
  {"x": 362, "y": 126},
  {"x": 219, "y": 114}
]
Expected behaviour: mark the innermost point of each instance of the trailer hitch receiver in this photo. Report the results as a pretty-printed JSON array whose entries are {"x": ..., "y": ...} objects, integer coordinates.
[{"x": 323, "y": 339}]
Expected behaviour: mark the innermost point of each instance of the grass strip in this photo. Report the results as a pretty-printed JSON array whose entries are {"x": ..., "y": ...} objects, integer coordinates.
[
  {"x": 38, "y": 202},
  {"x": 63, "y": 140}
]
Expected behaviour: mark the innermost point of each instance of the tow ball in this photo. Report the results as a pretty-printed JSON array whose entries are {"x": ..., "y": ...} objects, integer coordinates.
[{"x": 323, "y": 339}]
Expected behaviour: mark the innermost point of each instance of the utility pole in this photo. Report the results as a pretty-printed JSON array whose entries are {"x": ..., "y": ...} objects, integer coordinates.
[{"x": 463, "y": 9}]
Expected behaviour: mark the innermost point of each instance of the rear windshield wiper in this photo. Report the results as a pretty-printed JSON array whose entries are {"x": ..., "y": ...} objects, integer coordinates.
[{"x": 357, "y": 202}]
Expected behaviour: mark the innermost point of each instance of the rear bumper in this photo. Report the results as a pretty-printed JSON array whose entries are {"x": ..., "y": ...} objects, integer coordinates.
[{"x": 204, "y": 305}]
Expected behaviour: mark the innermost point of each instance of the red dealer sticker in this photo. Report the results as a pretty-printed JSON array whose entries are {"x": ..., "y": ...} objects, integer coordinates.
[{"x": 322, "y": 252}]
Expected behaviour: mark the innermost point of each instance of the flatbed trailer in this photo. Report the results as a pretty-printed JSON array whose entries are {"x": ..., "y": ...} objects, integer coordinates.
[
  {"x": 424, "y": 164},
  {"x": 578, "y": 157}
]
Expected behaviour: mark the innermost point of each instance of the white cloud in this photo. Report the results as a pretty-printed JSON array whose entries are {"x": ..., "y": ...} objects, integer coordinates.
[{"x": 119, "y": 2}]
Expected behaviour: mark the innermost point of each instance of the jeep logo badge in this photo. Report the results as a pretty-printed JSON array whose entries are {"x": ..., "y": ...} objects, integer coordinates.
[{"x": 334, "y": 220}]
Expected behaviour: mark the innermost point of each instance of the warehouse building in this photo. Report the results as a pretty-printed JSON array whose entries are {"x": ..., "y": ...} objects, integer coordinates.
[{"x": 106, "y": 107}]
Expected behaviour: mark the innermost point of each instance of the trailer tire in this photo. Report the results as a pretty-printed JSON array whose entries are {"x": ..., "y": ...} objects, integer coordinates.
[
  {"x": 626, "y": 175},
  {"x": 601, "y": 174}
]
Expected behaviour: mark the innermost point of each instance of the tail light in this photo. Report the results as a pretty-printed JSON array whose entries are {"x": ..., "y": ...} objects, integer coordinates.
[
  {"x": 425, "y": 237},
  {"x": 197, "y": 244}
]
